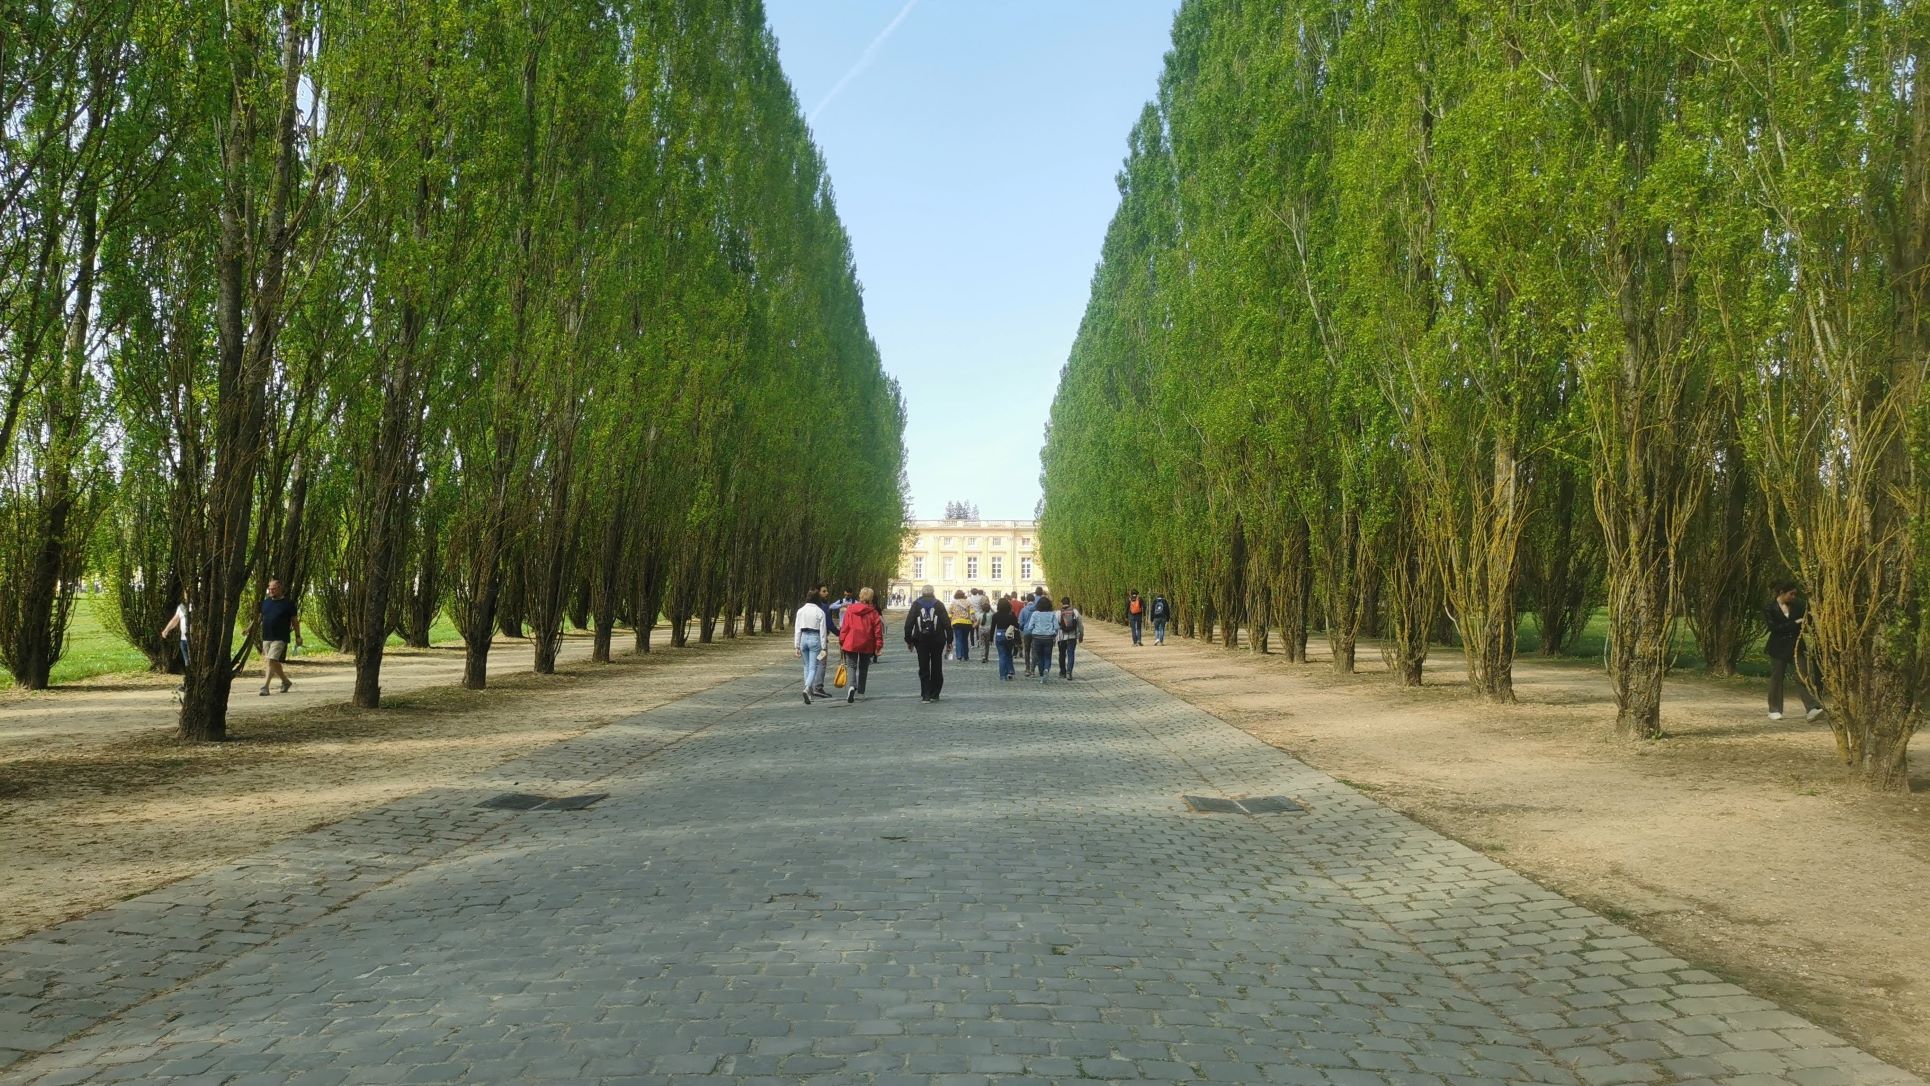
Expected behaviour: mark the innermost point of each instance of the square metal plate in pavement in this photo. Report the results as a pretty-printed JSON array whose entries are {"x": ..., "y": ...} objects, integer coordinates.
[
  {"x": 514, "y": 801},
  {"x": 1258, "y": 805},
  {"x": 1209, "y": 805},
  {"x": 573, "y": 803}
]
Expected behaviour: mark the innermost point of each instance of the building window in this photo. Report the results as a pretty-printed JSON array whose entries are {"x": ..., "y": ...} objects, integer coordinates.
[
  {"x": 1026, "y": 543},
  {"x": 1025, "y": 569},
  {"x": 951, "y": 567},
  {"x": 998, "y": 567},
  {"x": 971, "y": 568},
  {"x": 971, "y": 542},
  {"x": 918, "y": 567}
]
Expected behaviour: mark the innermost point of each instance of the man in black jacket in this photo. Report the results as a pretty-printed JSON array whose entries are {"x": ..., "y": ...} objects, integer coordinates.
[
  {"x": 1785, "y": 616},
  {"x": 928, "y": 632}
]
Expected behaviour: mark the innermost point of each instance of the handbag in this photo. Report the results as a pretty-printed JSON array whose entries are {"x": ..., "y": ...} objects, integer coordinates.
[{"x": 840, "y": 678}]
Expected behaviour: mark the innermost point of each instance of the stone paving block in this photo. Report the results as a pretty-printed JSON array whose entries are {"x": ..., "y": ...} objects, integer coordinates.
[{"x": 1001, "y": 888}]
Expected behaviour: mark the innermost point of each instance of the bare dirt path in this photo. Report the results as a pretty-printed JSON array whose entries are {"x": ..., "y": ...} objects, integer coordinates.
[
  {"x": 98, "y": 801},
  {"x": 1737, "y": 842}
]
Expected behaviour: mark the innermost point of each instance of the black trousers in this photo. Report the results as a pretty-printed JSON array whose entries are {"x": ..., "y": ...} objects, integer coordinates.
[
  {"x": 857, "y": 665},
  {"x": 1782, "y": 668},
  {"x": 931, "y": 667}
]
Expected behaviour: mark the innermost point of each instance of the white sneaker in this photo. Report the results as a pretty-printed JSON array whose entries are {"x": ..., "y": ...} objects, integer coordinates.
[
  {"x": 1775, "y": 716},
  {"x": 1813, "y": 713}
]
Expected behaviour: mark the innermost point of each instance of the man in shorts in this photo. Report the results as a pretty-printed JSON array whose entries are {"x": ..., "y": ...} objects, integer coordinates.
[{"x": 278, "y": 624}]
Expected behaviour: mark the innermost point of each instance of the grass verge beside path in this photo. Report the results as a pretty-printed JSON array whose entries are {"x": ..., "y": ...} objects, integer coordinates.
[
  {"x": 1737, "y": 842},
  {"x": 82, "y": 826}
]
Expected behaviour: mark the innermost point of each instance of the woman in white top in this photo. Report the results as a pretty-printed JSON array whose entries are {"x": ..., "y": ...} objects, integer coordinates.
[{"x": 807, "y": 639}]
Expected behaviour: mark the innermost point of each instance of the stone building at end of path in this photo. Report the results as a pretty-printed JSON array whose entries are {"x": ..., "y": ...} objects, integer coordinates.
[{"x": 996, "y": 556}]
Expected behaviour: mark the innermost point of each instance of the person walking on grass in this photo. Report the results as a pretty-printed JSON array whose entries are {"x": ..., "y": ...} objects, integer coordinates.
[
  {"x": 861, "y": 636},
  {"x": 1135, "y": 614},
  {"x": 1043, "y": 629},
  {"x": 807, "y": 643},
  {"x": 1786, "y": 617},
  {"x": 279, "y": 623},
  {"x": 927, "y": 632},
  {"x": 962, "y": 621},
  {"x": 1072, "y": 630},
  {"x": 1162, "y": 613}
]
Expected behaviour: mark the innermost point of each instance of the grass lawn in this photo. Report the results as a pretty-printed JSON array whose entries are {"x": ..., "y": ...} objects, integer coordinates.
[
  {"x": 92, "y": 649},
  {"x": 1592, "y": 645}
]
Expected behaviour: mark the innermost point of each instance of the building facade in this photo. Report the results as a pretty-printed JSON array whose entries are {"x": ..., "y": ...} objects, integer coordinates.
[{"x": 995, "y": 555}]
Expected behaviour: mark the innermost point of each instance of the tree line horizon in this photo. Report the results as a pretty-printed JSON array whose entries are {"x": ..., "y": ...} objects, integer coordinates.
[
  {"x": 524, "y": 312},
  {"x": 1418, "y": 315}
]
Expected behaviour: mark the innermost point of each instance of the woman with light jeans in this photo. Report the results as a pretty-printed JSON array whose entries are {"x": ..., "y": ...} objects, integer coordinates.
[{"x": 807, "y": 641}]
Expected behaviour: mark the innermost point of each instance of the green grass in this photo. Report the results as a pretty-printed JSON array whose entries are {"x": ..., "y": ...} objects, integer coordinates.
[
  {"x": 1592, "y": 645},
  {"x": 91, "y": 648}
]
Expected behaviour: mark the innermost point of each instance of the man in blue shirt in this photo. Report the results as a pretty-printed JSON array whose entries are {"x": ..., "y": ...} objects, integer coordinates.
[{"x": 278, "y": 624}]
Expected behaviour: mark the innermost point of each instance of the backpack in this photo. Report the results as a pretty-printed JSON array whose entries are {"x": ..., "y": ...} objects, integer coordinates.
[
  {"x": 1068, "y": 619},
  {"x": 925, "y": 622}
]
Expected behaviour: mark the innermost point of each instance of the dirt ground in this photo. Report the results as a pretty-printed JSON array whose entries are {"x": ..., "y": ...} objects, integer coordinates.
[
  {"x": 1738, "y": 842},
  {"x": 99, "y": 802}
]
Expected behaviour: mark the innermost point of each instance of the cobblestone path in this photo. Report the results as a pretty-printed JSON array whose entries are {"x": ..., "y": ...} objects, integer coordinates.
[{"x": 1003, "y": 887}]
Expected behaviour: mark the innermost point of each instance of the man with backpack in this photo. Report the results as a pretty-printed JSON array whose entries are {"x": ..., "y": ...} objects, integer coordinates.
[
  {"x": 1135, "y": 611},
  {"x": 928, "y": 631},
  {"x": 1072, "y": 630},
  {"x": 1162, "y": 614}
]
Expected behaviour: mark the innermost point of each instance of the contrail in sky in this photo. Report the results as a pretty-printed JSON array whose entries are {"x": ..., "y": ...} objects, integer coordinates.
[{"x": 864, "y": 59}]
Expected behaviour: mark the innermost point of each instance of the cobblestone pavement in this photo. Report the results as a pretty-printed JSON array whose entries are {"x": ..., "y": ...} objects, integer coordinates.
[{"x": 1004, "y": 887}]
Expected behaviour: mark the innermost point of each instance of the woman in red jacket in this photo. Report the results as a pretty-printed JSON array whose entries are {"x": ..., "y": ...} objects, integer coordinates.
[{"x": 861, "y": 634}]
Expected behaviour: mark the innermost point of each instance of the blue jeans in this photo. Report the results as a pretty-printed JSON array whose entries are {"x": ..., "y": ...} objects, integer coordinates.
[
  {"x": 1159, "y": 631},
  {"x": 961, "y": 642},
  {"x": 1068, "y": 650},
  {"x": 1005, "y": 656},
  {"x": 809, "y": 642},
  {"x": 1139, "y": 624},
  {"x": 1042, "y": 656}
]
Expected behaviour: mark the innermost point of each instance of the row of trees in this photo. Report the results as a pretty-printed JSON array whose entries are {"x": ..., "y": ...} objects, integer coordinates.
[
  {"x": 1468, "y": 308},
  {"x": 518, "y": 311}
]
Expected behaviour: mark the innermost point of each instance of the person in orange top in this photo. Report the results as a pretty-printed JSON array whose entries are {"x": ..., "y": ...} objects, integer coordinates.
[{"x": 1136, "y": 611}]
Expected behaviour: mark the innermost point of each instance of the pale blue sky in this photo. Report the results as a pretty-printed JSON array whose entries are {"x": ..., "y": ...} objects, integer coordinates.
[{"x": 973, "y": 151}]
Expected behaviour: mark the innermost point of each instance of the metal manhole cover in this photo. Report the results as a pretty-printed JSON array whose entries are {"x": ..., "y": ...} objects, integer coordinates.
[
  {"x": 1253, "y": 805},
  {"x": 1269, "y": 805},
  {"x": 573, "y": 803},
  {"x": 514, "y": 801}
]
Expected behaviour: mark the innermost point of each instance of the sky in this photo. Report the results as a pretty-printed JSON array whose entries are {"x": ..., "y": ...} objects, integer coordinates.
[{"x": 973, "y": 146}]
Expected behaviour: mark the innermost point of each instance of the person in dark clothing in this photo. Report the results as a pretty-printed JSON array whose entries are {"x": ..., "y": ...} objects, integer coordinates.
[
  {"x": 1005, "y": 631},
  {"x": 1785, "y": 616},
  {"x": 928, "y": 632},
  {"x": 279, "y": 624},
  {"x": 1162, "y": 614},
  {"x": 1136, "y": 612}
]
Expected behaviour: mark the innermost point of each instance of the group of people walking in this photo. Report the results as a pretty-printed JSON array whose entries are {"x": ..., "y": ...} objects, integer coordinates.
[
  {"x": 1021, "y": 627},
  {"x": 857, "y": 627}
]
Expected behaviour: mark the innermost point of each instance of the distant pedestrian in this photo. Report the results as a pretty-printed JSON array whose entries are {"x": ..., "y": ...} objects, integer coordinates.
[
  {"x": 1072, "y": 630},
  {"x": 1135, "y": 614},
  {"x": 1005, "y": 631},
  {"x": 1030, "y": 605},
  {"x": 1162, "y": 613},
  {"x": 807, "y": 641},
  {"x": 927, "y": 632},
  {"x": 178, "y": 626},
  {"x": 279, "y": 623},
  {"x": 1786, "y": 617},
  {"x": 861, "y": 634},
  {"x": 962, "y": 618},
  {"x": 1043, "y": 629}
]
